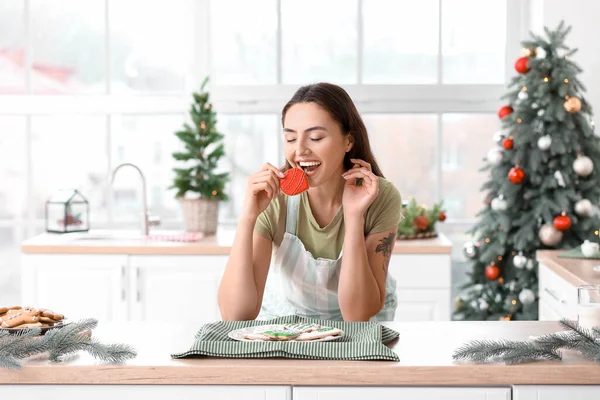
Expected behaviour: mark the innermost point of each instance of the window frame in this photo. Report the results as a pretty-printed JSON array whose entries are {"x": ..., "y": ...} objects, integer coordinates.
[{"x": 260, "y": 99}]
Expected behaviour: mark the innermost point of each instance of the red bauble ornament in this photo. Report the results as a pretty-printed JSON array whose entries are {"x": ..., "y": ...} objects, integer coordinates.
[
  {"x": 504, "y": 111},
  {"x": 521, "y": 65},
  {"x": 508, "y": 143},
  {"x": 421, "y": 223},
  {"x": 442, "y": 216},
  {"x": 516, "y": 175},
  {"x": 562, "y": 223},
  {"x": 492, "y": 272}
]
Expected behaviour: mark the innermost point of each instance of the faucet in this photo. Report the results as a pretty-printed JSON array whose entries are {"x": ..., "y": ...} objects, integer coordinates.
[{"x": 147, "y": 219}]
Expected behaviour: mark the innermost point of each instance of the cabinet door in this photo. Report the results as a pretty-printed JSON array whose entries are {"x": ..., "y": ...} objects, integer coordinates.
[
  {"x": 546, "y": 312},
  {"x": 423, "y": 286},
  {"x": 147, "y": 392},
  {"x": 423, "y": 305},
  {"x": 181, "y": 289},
  {"x": 557, "y": 293},
  {"x": 558, "y": 392},
  {"x": 77, "y": 286},
  {"x": 404, "y": 393}
]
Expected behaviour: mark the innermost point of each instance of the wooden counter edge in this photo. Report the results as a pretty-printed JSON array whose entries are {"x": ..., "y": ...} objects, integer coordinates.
[
  {"x": 548, "y": 258},
  {"x": 172, "y": 248},
  {"x": 546, "y": 373}
]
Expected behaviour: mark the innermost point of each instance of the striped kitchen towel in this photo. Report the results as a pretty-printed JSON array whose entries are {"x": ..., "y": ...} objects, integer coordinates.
[{"x": 361, "y": 341}]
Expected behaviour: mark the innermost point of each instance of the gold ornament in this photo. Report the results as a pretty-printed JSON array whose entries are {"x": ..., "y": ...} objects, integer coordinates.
[
  {"x": 214, "y": 192},
  {"x": 572, "y": 105},
  {"x": 530, "y": 52},
  {"x": 458, "y": 304},
  {"x": 203, "y": 125}
]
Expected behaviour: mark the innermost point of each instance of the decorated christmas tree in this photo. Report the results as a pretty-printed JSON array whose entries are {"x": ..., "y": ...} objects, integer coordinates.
[
  {"x": 203, "y": 148},
  {"x": 543, "y": 187}
]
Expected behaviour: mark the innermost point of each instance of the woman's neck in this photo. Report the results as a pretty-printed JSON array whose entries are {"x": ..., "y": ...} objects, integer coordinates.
[{"x": 328, "y": 194}]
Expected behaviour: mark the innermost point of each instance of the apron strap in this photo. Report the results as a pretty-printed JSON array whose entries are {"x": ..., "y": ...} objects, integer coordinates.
[{"x": 291, "y": 219}]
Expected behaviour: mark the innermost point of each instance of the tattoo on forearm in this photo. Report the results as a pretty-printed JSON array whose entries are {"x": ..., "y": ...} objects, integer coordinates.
[{"x": 385, "y": 246}]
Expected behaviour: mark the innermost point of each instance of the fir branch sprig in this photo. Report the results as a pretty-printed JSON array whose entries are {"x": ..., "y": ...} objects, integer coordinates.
[
  {"x": 59, "y": 343},
  {"x": 546, "y": 347}
]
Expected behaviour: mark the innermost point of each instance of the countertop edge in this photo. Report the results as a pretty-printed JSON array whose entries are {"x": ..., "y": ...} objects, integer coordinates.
[
  {"x": 555, "y": 373},
  {"x": 546, "y": 257}
]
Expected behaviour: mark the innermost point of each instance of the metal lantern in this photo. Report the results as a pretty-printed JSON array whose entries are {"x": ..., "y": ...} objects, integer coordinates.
[{"x": 67, "y": 211}]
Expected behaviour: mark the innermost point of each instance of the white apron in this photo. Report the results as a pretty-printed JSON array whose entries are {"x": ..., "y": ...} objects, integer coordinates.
[{"x": 298, "y": 284}]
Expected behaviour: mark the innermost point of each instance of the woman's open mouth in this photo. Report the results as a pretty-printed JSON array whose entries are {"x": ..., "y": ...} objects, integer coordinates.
[{"x": 309, "y": 167}]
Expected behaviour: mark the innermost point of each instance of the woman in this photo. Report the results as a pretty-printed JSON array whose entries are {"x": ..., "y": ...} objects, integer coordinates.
[{"x": 349, "y": 208}]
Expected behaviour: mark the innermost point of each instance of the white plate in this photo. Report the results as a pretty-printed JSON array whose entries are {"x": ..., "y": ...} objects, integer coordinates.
[{"x": 238, "y": 334}]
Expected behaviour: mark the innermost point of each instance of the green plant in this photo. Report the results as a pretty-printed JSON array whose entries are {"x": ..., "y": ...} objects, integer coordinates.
[
  {"x": 419, "y": 218},
  {"x": 203, "y": 148}
]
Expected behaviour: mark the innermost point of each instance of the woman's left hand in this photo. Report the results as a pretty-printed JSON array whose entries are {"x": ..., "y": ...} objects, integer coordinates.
[{"x": 357, "y": 198}]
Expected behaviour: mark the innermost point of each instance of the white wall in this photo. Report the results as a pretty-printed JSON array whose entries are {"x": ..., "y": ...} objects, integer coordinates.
[{"x": 582, "y": 15}]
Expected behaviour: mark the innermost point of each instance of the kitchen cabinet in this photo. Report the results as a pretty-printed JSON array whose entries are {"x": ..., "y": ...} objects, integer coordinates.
[
  {"x": 558, "y": 392},
  {"x": 404, "y": 393},
  {"x": 180, "y": 289},
  {"x": 78, "y": 286},
  {"x": 147, "y": 392},
  {"x": 558, "y": 298},
  {"x": 423, "y": 286},
  {"x": 165, "y": 289},
  {"x": 183, "y": 288}
]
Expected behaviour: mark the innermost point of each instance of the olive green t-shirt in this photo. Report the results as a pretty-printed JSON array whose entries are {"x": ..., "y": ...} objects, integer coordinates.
[{"x": 383, "y": 214}]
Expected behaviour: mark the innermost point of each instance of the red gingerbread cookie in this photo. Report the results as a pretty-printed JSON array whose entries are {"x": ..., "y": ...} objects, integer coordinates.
[{"x": 294, "y": 182}]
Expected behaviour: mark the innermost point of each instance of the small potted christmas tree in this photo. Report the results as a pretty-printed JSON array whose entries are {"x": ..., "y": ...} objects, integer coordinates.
[{"x": 199, "y": 188}]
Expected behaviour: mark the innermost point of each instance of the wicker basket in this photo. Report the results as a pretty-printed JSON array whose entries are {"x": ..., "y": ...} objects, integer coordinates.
[
  {"x": 200, "y": 215},
  {"x": 413, "y": 236}
]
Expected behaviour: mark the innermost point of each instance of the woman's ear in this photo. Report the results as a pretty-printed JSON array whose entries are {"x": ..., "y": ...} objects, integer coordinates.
[{"x": 349, "y": 142}]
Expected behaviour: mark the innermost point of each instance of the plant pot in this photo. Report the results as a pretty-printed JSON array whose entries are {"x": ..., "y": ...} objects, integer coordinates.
[
  {"x": 200, "y": 215},
  {"x": 421, "y": 235}
]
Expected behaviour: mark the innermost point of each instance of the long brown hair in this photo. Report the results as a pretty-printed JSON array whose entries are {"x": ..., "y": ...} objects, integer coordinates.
[{"x": 340, "y": 107}]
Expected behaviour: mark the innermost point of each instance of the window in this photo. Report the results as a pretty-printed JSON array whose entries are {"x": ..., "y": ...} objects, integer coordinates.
[{"x": 82, "y": 89}]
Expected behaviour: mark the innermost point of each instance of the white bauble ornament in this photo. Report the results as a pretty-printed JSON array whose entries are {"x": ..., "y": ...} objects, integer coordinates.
[
  {"x": 498, "y": 297},
  {"x": 522, "y": 95},
  {"x": 519, "y": 261},
  {"x": 549, "y": 235},
  {"x": 527, "y": 296},
  {"x": 559, "y": 178},
  {"x": 544, "y": 142},
  {"x": 483, "y": 305},
  {"x": 583, "y": 166},
  {"x": 499, "y": 204},
  {"x": 540, "y": 113},
  {"x": 470, "y": 250},
  {"x": 534, "y": 105},
  {"x": 583, "y": 208},
  {"x": 511, "y": 285},
  {"x": 541, "y": 53},
  {"x": 498, "y": 137},
  {"x": 494, "y": 156},
  {"x": 529, "y": 265}
]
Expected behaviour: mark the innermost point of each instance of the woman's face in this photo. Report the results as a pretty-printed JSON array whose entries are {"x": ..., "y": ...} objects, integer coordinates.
[{"x": 314, "y": 142}]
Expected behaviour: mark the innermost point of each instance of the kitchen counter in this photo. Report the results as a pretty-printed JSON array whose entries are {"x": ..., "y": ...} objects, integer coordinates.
[
  {"x": 576, "y": 271},
  {"x": 425, "y": 350},
  {"x": 101, "y": 242}
]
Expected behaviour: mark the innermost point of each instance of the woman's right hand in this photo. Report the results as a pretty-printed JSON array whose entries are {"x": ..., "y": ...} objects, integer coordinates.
[{"x": 262, "y": 187}]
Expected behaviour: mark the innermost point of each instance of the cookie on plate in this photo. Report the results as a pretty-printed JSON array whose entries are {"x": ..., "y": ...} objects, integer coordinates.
[
  {"x": 319, "y": 334},
  {"x": 282, "y": 334}
]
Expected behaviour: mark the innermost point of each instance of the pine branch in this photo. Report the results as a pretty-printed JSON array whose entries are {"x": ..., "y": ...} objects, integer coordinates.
[
  {"x": 546, "y": 347},
  {"x": 511, "y": 352},
  {"x": 59, "y": 343}
]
